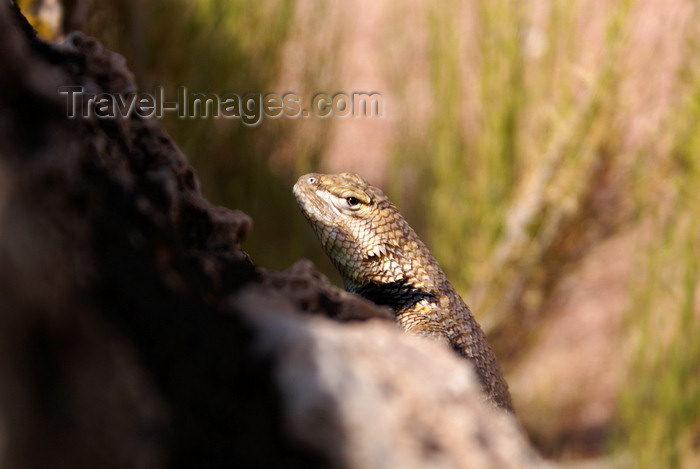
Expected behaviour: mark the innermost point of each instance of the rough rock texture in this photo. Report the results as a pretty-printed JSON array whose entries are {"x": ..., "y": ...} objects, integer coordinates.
[
  {"x": 135, "y": 332},
  {"x": 367, "y": 397}
]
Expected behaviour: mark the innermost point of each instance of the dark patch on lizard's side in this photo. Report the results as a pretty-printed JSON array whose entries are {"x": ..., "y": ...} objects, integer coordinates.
[{"x": 397, "y": 295}]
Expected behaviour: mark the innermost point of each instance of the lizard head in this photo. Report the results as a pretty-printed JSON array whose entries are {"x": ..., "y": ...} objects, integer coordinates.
[{"x": 359, "y": 228}]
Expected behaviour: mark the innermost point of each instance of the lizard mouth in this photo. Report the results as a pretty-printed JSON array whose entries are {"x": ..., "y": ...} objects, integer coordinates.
[{"x": 316, "y": 205}]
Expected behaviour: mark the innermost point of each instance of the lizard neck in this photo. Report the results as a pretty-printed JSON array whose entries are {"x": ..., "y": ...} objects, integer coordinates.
[{"x": 399, "y": 296}]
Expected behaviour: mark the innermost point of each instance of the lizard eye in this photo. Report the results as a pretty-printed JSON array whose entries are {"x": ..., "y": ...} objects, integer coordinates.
[{"x": 352, "y": 201}]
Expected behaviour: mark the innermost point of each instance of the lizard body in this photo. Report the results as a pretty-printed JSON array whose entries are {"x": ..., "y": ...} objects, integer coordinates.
[{"x": 381, "y": 258}]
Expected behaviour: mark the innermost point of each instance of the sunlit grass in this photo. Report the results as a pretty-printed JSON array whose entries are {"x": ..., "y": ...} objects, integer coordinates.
[
  {"x": 510, "y": 153},
  {"x": 659, "y": 415}
]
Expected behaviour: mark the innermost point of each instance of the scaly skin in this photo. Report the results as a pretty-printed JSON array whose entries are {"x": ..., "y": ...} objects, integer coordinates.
[{"x": 381, "y": 258}]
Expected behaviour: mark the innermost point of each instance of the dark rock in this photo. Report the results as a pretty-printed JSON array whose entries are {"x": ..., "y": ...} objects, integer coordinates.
[
  {"x": 114, "y": 352},
  {"x": 311, "y": 292}
]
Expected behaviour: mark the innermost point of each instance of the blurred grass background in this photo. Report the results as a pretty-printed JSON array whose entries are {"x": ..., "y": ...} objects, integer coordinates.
[{"x": 547, "y": 151}]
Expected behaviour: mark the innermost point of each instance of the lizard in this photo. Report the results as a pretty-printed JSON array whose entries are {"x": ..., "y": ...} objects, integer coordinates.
[{"x": 381, "y": 258}]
